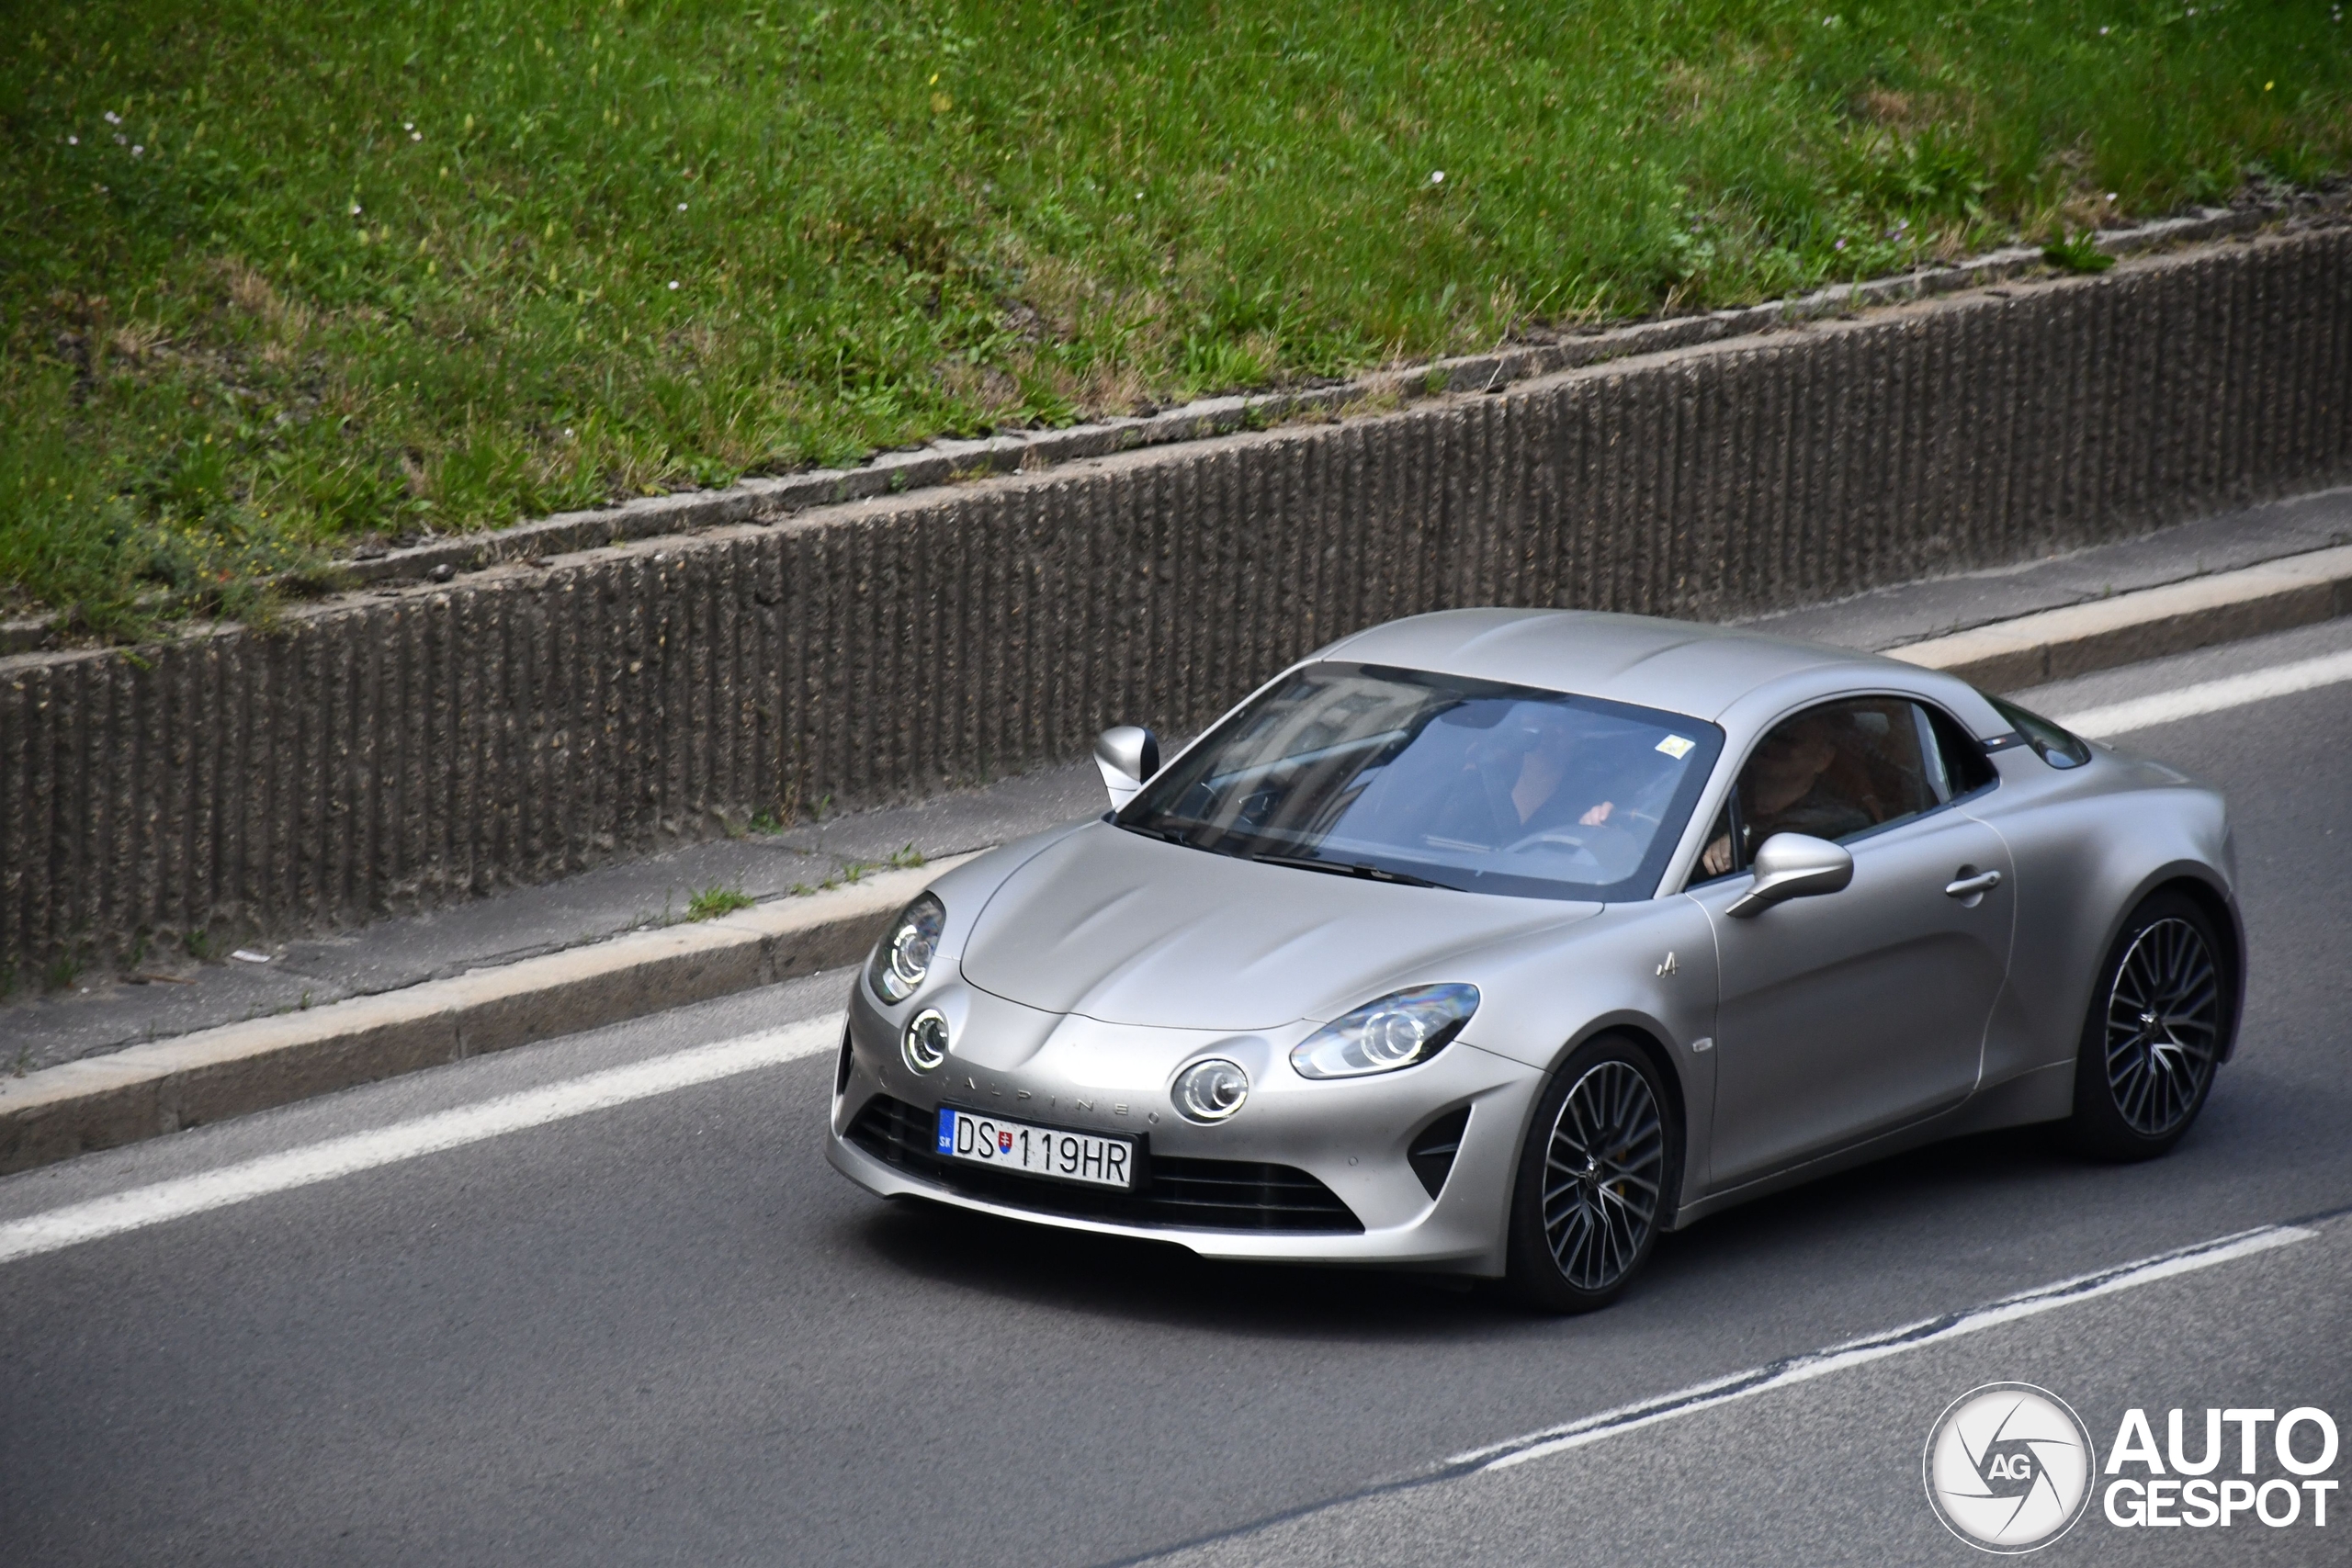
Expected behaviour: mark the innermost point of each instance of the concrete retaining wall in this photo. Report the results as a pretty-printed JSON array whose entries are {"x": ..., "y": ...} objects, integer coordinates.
[{"x": 387, "y": 751}]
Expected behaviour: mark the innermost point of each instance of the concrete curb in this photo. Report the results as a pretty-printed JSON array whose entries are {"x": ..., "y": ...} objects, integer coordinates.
[
  {"x": 145, "y": 1090},
  {"x": 2054, "y": 645},
  {"x": 103, "y": 1102}
]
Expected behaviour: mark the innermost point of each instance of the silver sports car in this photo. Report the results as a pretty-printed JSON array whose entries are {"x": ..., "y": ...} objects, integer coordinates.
[{"x": 1495, "y": 942}]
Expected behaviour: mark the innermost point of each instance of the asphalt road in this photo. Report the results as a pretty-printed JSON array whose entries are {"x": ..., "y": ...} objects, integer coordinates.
[{"x": 665, "y": 1331}]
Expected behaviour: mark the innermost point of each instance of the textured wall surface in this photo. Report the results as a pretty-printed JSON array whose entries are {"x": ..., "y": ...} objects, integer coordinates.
[{"x": 387, "y": 752}]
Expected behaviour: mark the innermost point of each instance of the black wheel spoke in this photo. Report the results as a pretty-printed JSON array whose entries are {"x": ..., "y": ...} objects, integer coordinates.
[{"x": 2164, "y": 1018}]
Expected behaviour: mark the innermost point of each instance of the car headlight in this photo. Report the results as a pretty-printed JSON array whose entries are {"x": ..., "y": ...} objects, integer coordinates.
[
  {"x": 1397, "y": 1030},
  {"x": 1210, "y": 1090},
  {"x": 902, "y": 961}
]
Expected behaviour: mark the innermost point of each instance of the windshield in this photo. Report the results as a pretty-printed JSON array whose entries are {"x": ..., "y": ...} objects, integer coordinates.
[{"x": 1408, "y": 776}]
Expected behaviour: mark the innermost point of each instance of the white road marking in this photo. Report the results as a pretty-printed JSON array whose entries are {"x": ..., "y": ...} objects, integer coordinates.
[
  {"x": 2210, "y": 697},
  {"x": 152, "y": 1205},
  {"x": 1877, "y": 1348}
]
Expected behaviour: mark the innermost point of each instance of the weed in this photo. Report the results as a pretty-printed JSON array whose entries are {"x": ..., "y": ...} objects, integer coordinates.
[
  {"x": 905, "y": 859},
  {"x": 62, "y": 971},
  {"x": 715, "y": 901},
  {"x": 845, "y": 873},
  {"x": 2077, "y": 252},
  {"x": 201, "y": 946},
  {"x": 23, "y": 1062}
]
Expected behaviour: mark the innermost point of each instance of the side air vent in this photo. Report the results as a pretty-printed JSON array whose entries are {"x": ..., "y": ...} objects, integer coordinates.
[
  {"x": 1431, "y": 1155},
  {"x": 841, "y": 1073}
]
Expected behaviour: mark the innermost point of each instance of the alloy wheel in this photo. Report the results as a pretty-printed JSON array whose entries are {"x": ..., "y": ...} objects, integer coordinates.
[
  {"x": 2163, "y": 1015},
  {"x": 1603, "y": 1169}
]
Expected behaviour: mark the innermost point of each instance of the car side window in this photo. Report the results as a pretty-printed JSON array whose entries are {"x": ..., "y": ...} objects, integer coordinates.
[{"x": 1834, "y": 771}]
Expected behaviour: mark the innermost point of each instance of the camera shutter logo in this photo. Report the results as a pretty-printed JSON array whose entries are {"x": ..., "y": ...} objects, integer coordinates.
[{"x": 2009, "y": 1467}]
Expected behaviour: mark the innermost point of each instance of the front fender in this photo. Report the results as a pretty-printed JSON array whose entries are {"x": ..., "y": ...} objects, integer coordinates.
[{"x": 1543, "y": 997}]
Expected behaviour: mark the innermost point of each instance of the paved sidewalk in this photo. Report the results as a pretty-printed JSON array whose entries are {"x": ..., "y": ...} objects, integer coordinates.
[
  {"x": 1938, "y": 607},
  {"x": 173, "y": 995},
  {"x": 106, "y": 1013}
]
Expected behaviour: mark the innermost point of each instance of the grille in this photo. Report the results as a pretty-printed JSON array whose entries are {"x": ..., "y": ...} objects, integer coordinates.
[{"x": 1196, "y": 1194}]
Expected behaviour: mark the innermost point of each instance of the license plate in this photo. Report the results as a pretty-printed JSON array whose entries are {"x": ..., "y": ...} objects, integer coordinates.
[{"x": 1038, "y": 1151}]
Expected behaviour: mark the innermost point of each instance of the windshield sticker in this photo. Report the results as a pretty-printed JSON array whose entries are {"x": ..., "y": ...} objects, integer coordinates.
[{"x": 1676, "y": 747}]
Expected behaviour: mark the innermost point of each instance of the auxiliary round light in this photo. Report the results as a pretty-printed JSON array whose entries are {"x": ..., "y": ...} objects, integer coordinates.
[
  {"x": 1210, "y": 1090},
  {"x": 924, "y": 1044}
]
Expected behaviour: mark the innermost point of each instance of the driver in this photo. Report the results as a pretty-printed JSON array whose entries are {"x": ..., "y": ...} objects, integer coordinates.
[
  {"x": 1517, "y": 777},
  {"x": 1551, "y": 784}
]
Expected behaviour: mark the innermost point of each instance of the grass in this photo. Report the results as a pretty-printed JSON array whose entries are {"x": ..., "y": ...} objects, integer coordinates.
[
  {"x": 716, "y": 900},
  {"x": 848, "y": 872},
  {"x": 279, "y": 281}
]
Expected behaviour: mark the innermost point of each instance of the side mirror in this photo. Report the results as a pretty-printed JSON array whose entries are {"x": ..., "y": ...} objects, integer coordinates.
[
  {"x": 1794, "y": 865},
  {"x": 1127, "y": 754}
]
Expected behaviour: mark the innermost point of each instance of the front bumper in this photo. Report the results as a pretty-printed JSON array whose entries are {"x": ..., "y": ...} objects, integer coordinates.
[{"x": 1351, "y": 1136}]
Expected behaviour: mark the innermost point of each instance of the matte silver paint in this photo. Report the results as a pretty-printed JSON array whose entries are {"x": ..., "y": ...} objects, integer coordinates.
[
  {"x": 1126, "y": 755},
  {"x": 1792, "y": 866},
  {"x": 1942, "y": 991}
]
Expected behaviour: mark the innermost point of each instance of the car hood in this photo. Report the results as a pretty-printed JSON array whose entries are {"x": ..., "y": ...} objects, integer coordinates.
[{"x": 1129, "y": 929}]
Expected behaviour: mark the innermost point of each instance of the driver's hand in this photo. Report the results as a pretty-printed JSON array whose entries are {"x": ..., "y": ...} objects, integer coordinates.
[
  {"x": 1598, "y": 815},
  {"x": 1715, "y": 859}
]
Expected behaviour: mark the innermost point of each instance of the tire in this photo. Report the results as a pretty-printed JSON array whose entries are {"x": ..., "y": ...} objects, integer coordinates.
[
  {"x": 2159, "y": 1022},
  {"x": 1598, "y": 1178}
]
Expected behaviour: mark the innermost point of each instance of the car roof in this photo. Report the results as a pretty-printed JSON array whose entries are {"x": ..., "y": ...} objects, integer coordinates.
[{"x": 1678, "y": 666}]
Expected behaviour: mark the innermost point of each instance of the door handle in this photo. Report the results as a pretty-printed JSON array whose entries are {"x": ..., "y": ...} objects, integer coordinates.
[{"x": 1969, "y": 886}]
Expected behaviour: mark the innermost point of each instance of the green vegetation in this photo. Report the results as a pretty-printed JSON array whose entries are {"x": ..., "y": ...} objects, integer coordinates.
[
  {"x": 713, "y": 901},
  {"x": 904, "y": 858},
  {"x": 2077, "y": 252},
  {"x": 281, "y": 279}
]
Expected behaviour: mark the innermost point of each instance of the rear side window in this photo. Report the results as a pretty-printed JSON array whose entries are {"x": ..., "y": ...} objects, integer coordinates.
[
  {"x": 2059, "y": 747},
  {"x": 1959, "y": 757}
]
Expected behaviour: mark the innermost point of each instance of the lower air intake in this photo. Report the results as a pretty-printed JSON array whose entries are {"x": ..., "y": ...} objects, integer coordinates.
[{"x": 1170, "y": 1191}]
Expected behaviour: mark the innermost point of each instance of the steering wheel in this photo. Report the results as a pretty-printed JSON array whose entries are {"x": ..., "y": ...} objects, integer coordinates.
[{"x": 1595, "y": 844}]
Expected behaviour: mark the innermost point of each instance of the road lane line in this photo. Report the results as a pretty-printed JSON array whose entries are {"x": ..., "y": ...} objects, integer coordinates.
[
  {"x": 2210, "y": 697},
  {"x": 152, "y": 1205},
  {"x": 1876, "y": 1348},
  {"x": 1790, "y": 1370}
]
